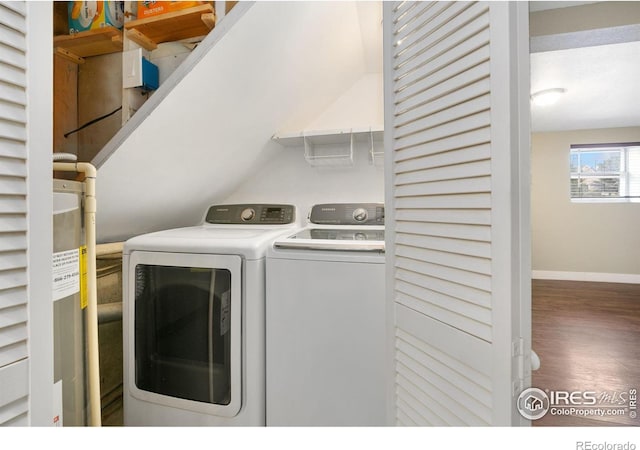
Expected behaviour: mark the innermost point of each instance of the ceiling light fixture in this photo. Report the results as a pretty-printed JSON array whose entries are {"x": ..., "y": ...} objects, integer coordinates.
[{"x": 547, "y": 97}]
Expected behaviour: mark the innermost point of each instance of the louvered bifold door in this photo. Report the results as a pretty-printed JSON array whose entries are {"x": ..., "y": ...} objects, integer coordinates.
[
  {"x": 453, "y": 123},
  {"x": 13, "y": 215}
]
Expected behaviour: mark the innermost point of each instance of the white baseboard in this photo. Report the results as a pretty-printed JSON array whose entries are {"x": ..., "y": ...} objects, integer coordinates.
[{"x": 586, "y": 276}]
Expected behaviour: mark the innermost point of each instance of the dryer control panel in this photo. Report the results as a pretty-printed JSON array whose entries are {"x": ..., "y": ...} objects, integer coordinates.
[
  {"x": 348, "y": 214},
  {"x": 251, "y": 214}
]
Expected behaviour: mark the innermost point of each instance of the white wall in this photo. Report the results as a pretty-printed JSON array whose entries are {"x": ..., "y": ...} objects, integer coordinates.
[
  {"x": 361, "y": 106},
  {"x": 286, "y": 176},
  {"x": 279, "y": 65},
  {"x": 579, "y": 237}
]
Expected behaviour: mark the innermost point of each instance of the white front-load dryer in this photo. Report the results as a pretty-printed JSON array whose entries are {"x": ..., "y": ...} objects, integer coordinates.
[{"x": 194, "y": 319}]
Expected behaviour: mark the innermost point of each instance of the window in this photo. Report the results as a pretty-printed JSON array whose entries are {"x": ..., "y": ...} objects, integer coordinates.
[{"x": 605, "y": 172}]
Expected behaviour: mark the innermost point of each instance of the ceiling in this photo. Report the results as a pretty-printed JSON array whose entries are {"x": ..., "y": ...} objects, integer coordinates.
[
  {"x": 602, "y": 88},
  {"x": 601, "y": 82}
]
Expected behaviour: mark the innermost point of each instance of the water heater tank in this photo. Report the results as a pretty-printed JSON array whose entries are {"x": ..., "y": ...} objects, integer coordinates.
[{"x": 69, "y": 306}]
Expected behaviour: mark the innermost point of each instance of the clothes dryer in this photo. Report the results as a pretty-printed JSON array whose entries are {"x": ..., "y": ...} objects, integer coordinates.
[
  {"x": 326, "y": 320},
  {"x": 193, "y": 319}
]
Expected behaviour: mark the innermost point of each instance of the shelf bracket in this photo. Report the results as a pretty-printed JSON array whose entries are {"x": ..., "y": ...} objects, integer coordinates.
[
  {"x": 117, "y": 40},
  {"x": 66, "y": 54},
  {"x": 209, "y": 20},
  {"x": 142, "y": 40}
]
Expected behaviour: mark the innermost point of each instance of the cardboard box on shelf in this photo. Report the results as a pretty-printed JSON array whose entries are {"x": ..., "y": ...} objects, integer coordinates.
[
  {"x": 155, "y": 8},
  {"x": 91, "y": 15}
]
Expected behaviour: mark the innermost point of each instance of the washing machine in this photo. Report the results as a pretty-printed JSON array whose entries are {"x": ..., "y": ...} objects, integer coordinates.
[
  {"x": 326, "y": 320},
  {"x": 194, "y": 319}
]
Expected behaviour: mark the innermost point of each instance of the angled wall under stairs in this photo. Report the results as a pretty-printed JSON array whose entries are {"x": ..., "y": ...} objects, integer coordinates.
[{"x": 274, "y": 66}]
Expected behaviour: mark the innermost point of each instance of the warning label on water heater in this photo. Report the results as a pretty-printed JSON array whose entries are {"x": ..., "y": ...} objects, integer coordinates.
[{"x": 66, "y": 273}]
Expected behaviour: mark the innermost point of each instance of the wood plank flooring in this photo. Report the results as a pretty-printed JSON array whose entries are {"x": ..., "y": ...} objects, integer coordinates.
[{"x": 587, "y": 335}]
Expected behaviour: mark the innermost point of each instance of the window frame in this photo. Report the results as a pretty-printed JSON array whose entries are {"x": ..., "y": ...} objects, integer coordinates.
[{"x": 623, "y": 174}]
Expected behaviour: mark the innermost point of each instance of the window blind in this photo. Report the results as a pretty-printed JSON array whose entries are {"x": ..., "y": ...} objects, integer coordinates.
[{"x": 605, "y": 172}]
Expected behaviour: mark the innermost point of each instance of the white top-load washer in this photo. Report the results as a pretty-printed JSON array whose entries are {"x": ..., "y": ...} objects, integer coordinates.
[
  {"x": 326, "y": 320},
  {"x": 194, "y": 319}
]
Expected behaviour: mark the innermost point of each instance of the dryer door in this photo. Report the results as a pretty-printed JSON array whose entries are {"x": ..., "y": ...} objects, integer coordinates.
[{"x": 184, "y": 325}]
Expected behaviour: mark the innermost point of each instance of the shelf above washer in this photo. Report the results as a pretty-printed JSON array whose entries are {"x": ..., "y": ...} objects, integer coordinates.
[{"x": 334, "y": 147}]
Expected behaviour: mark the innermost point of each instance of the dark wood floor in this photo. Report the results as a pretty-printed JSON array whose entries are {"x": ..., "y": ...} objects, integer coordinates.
[{"x": 587, "y": 335}]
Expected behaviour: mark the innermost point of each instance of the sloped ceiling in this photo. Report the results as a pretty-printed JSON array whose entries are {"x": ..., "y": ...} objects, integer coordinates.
[{"x": 276, "y": 68}]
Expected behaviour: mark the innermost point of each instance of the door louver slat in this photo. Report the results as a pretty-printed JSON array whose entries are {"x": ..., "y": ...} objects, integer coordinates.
[
  {"x": 430, "y": 55},
  {"x": 437, "y": 104},
  {"x": 413, "y": 35},
  {"x": 430, "y": 359},
  {"x": 452, "y": 230},
  {"x": 469, "y": 154},
  {"x": 455, "y": 216},
  {"x": 456, "y": 201},
  {"x": 448, "y": 86},
  {"x": 467, "y": 139},
  {"x": 14, "y": 405},
  {"x": 460, "y": 111},
  {"x": 444, "y": 173},
  {"x": 450, "y": 259},
  {"x": 452, "y": 408},
  {"x": 476, "y": 49},
  {"x": 461, "y": 246},
  {"x": 446, "y": 287}
]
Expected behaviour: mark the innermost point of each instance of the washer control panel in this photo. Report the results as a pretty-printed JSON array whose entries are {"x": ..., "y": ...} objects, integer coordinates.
[
  {"x": 348, "y": 214},
  {"x": 251, "y": 214}
]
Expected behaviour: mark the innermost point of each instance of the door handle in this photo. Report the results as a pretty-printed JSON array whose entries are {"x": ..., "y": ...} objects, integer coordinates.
[{"x": 535, "y": 360}]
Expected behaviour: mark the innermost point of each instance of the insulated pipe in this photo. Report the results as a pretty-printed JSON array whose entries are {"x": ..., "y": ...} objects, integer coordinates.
[
  {"x": 92, "y": 291},
  {"x": 109, "y": 249},
  {"x": 109, "y": 312}
]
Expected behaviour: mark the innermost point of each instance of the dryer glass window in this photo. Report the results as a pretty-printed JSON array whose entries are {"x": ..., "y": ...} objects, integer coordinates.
[{"x": 182, "y": 332}]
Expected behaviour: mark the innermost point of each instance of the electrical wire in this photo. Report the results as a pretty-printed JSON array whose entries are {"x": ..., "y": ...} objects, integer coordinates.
[{"x": 92, "y": 122}]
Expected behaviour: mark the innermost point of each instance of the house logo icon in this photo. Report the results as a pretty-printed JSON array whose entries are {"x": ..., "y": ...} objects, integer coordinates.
[{"x": 533, "y": 403}]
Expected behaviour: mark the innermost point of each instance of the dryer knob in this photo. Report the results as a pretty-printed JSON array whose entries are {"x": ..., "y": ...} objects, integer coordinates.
[
  {"x": 360, "y": 215},
  {"x": 247, "y": 214}
]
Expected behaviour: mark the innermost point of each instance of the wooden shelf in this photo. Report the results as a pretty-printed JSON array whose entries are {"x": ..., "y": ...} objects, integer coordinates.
[
  {"x": 89, "y": 43},
  {"x": 174, "y": 26}
]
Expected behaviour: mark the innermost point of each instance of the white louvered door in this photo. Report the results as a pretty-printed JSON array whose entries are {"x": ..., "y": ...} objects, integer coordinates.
[
  {"x": 25, "y": 255},
  {"x": 456, "y": 128},
  {"x": 13, "y": 214}
]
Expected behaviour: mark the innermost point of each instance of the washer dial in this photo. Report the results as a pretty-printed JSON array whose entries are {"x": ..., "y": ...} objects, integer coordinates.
[
  {"x": 247, "y": 214},
  {"x": 360, "y": 215}
]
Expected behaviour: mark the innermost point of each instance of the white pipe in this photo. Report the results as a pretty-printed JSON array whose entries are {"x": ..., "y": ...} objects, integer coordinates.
[{"x": 90, "y": 174}]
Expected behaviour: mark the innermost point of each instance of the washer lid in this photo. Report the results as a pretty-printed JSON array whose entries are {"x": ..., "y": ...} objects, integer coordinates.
[
  {"x": 341, "y": 234},
  {"x": 349, "y": 239}
]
